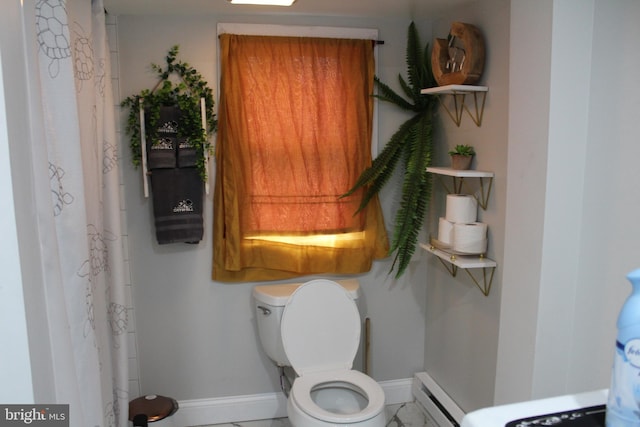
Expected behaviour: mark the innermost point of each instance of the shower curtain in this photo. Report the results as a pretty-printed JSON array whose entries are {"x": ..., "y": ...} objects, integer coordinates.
[{"x": 82, "y": 245}]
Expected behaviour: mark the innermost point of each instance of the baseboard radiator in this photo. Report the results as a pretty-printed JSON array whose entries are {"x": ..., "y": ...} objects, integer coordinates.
[{"x": 436, "y": 402}]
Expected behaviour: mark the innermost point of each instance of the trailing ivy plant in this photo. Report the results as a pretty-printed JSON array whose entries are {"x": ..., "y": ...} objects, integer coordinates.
[
  {"x": 186, "y": 96},
  {"x": 411, "y": 143}
]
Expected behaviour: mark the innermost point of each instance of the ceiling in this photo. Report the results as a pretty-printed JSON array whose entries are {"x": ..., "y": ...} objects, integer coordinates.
[{"x": 360, "y": 8}]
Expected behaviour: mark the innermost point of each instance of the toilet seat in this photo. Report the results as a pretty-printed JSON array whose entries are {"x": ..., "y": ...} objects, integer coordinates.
[
  {"x": 371, "y": 390},
  {"x": 320, "y": 330}
]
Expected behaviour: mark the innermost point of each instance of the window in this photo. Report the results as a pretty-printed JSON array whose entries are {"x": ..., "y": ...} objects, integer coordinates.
[{"x": 295, "y": 125}]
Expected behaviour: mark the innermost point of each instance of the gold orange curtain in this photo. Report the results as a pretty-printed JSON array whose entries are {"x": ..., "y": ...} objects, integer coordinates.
[{"x": 295, "y": 123}]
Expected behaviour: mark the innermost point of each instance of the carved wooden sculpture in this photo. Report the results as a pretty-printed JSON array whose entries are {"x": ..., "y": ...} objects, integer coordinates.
[{"x": 460, "y": 58}]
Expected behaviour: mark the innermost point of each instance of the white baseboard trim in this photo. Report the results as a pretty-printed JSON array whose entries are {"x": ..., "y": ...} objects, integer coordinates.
[
  {"x": 397, "y": 391},
  {"x": 219, "y": 410}
]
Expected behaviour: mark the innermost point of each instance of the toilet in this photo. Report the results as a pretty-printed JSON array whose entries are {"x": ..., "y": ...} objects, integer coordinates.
[{"x": 315, "y": 329}]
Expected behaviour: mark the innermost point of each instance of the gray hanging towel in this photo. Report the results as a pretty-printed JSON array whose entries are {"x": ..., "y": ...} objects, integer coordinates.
[
  {"x": 175, "y": 183},
  {"x": 177, "y": 205}
]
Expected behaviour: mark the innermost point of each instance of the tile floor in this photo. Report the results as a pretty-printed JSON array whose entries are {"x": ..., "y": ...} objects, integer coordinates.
[{"x": 401, "y": 415}]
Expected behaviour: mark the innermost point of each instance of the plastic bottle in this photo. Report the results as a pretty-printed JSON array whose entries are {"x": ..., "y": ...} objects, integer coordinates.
[{"x": 623, "y": 407}]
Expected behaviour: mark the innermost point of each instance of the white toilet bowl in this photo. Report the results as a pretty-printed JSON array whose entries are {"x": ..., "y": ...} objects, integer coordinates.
[{"x": 320, "y": 330}]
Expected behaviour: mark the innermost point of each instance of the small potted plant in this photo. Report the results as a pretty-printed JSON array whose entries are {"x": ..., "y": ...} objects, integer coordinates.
[{"x": 461, "y": 156}]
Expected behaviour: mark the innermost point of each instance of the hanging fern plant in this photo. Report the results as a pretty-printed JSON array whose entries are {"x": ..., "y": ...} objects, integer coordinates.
[
  {"x": 411, "y": 143},
  {"x": 186, "y": 95}
]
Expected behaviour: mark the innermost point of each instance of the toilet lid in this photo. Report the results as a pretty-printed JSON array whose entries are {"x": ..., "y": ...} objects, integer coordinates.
[{"x": 320, "y": 328}]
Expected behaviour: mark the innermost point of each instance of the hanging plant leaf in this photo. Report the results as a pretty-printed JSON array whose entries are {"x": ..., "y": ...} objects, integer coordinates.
[{"x": 413, "y": 143}]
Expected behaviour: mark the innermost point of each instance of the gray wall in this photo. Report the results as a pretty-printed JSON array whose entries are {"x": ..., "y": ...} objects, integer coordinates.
[
  {"x": 462, "y": 324},
  {"x": 572, "y": 130},
  {"x": 196, "y": 338}
]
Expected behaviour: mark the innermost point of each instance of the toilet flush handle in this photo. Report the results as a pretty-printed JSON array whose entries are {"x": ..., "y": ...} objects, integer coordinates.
[{"x": 265, "y": 310}]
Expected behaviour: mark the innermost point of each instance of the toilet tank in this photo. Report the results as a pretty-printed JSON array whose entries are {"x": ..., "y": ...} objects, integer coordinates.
[{"x": 269, "y": 302}]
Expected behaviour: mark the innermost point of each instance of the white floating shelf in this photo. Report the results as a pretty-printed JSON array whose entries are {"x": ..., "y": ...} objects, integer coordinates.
[
  {"x": 462, "y": 261},
  {"x": 453, "y": 89},
  {"x": 468, "y": 173},
  {"x": 453, "y": 261}
]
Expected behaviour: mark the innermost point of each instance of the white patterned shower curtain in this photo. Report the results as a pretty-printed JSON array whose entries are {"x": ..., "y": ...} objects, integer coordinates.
[{"x": 83, "y": 250}]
